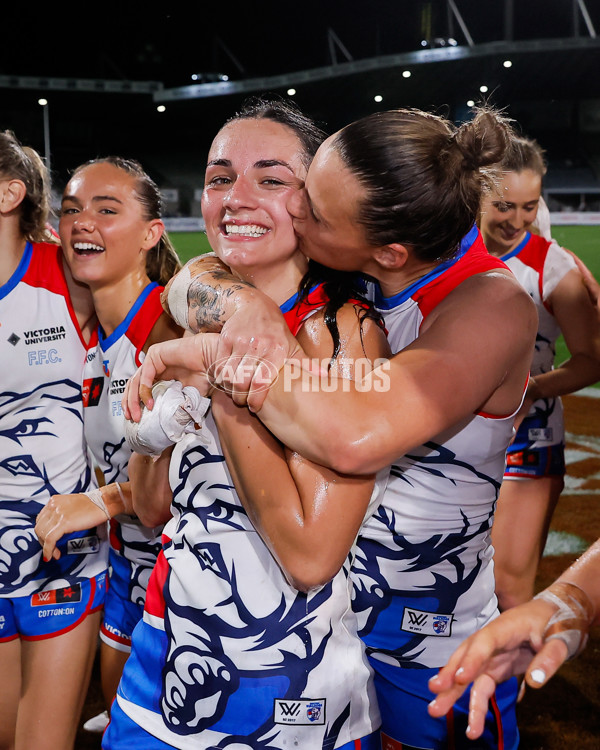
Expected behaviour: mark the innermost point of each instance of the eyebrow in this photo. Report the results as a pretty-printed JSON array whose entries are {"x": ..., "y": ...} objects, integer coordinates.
[
  {"x": 513, "y": 203},
  {"x": 260, "y": 164},
  {"x": 95, "y": 199}
]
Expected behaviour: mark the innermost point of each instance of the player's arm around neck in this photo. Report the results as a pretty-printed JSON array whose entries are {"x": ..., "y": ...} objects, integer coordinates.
[{"x": 473, "y": 354}]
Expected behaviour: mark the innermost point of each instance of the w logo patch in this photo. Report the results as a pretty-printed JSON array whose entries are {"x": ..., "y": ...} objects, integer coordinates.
[
  {"x": 67, "y": 595},
  {"x": 300, "y": 712}
]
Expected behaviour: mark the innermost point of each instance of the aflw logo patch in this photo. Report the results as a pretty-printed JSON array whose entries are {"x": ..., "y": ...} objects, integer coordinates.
[
  {"x": 83, "y": 545},
  {"x": 426, "y": 623},
  {"x": 67, "y": 595},
  {"x": 300, "y": 712}
]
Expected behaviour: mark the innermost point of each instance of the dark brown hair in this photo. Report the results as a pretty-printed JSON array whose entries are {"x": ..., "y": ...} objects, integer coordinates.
[{"x": 422, "y": 176}]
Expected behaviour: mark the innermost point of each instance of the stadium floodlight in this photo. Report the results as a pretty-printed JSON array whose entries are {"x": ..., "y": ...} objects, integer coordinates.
[
  {"x": 483, "y": 89},
  {"x": 291, "y": 92},
  {"x": 507, "y": 63},
  {"x": 161, "y": 108},
  {"x": 209, "y": 77},
  {"x": 406, "y": 74},
  {"x": 470, "y": 103},
  {"x": 46, "y": 109},
  {"x": 439, "y": 41},
  {"x": 378, "y": 98}
]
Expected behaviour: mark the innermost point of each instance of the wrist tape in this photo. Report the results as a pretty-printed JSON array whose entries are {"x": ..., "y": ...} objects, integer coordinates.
[
  {"x": 95, "y": 496},
  {"x": 571, "y": 621}
]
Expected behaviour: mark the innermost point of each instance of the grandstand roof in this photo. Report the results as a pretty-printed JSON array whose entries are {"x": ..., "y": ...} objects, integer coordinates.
[{"x": 338, "y": 54}]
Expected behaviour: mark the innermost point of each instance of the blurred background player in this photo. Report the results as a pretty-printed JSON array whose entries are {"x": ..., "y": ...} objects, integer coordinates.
[
  {"x": 534, "y": 476},
  {"x": 49, "y": 609}
]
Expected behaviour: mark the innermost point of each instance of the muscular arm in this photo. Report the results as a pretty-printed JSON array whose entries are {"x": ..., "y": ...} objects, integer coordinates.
[
  {"x": 474, "y": 354},
  {"x": 205, "y": 294},
  {"x": 205, "y": 297},
  {"x": 150, "y": 489},
  {"x": 308, "y": 515}
]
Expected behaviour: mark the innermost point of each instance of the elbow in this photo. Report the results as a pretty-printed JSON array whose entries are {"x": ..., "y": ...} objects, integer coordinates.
[
  {"x": 150, "y": 517},
  {"x": 155, "y": 513},
  {"x": 308, "y": 575},
  {"x": 354, "y": 457}
]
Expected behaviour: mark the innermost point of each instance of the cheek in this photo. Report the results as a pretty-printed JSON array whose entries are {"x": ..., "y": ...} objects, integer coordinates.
[
  {"x": 64, "y": 227},
  {"x": 212, "y": 217}
]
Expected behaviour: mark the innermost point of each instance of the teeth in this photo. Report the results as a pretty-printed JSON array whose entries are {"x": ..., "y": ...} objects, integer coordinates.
[
  {"x": 246, "y": 230},
  {"x": 87, "y": 246}
]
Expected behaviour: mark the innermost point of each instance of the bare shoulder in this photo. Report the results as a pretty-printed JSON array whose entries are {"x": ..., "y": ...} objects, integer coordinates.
[{"x": 495, "y": 299}]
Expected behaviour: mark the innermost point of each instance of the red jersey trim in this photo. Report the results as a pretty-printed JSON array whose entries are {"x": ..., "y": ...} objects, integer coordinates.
[
  {"x": 314, "y": 301},
  {"x": 145, "y": 320},
  {"x": 46, "y": 271},
  {"x": 476, "y": 260}
]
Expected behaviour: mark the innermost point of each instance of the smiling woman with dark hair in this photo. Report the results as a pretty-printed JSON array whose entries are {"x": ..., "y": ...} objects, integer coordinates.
[{"x": 248, "y": 638}]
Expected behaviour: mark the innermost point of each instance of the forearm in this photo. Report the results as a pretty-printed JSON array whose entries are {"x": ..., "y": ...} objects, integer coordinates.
[
  {"x": 350, "y": 427},
  {"x": 116, "y": 501},
  {"x": 580, "y": 371},
  {"x": 150, "y": 489},
  {"x": 585, "y": 573},
  {"x": 293, "y": 506}
]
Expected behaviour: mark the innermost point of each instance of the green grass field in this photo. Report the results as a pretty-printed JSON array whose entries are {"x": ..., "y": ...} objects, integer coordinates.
[
  {"x": 189, "y": 244},
  {"x": 582, "y": 240}
]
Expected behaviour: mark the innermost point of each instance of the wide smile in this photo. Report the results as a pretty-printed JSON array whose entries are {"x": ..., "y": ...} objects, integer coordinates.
[
  {"x": 244, "y": 230},
  {"x": 87, "y": 248}
]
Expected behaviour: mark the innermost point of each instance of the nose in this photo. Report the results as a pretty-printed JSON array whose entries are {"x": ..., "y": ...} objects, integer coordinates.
[
  {"x": 84, "y": 222},
  {"x": 240, "y": 194},
  {"x": 518, "y": 219}
]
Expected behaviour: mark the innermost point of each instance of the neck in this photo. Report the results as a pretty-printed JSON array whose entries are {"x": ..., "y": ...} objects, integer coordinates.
[
  {"x": 12, "y": 244},
  {"x": 498, "y": 250},
  {"x": 394, "y": 281},
  {"x": 113, "y": 301},
  {"x": 277, "y": 282}
]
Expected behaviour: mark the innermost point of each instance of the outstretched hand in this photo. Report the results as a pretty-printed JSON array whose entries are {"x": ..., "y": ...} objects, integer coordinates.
[{"x": 511, "y": 645}]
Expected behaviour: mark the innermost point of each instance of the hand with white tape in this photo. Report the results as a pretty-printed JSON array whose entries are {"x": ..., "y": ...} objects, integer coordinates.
[
  {"x": 65, "y": 514},
  {"x": 533, "y": 639}
]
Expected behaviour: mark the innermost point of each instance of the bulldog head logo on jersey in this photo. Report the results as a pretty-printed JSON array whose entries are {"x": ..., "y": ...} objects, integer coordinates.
[
  {"x": 440, "y": 623},
  {"x": 219, "y": 606},
  {"x": 33, "y": 426}
]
